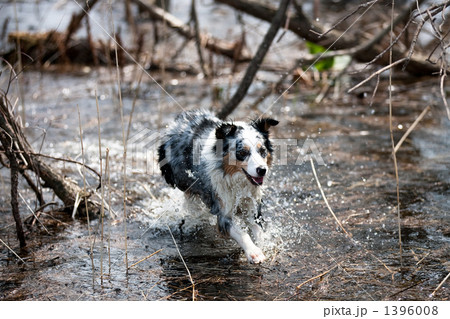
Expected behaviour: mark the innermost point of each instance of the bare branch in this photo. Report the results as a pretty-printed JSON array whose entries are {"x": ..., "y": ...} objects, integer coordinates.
[
  {"x": 213, "y": 44},
  {"x": 377, "y": 73},
  {"x": 254, "y": 65}
]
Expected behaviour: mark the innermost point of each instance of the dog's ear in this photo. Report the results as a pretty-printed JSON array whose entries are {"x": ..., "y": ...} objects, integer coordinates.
[
  {"x": 263, "y": 124},
  {"x": 225, "y": 130}
]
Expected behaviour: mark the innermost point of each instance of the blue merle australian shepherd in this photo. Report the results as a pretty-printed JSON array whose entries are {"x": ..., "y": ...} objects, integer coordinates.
[{"x": 224, "y": 164}]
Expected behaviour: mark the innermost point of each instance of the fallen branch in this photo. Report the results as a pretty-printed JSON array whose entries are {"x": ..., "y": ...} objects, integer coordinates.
[
  {"x": 65, "y": 189},
  {"x": 301, "y": 25},
  {"x": 47, "y": 48},
  {"x": 311, "y": 31},
  {"x": 213, "y": 44}
]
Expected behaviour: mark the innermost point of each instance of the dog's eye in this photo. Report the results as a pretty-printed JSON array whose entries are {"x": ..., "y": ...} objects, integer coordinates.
[
  {"x": 242, "y": 154},
  {"x": 263, "y": 151}
]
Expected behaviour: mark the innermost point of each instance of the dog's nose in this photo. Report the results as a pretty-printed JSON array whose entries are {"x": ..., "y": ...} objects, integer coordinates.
[{"x": 261, "y": 171}]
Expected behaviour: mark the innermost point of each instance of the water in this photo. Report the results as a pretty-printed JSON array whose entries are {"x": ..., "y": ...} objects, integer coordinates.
[{"x": 302, "y": 240}]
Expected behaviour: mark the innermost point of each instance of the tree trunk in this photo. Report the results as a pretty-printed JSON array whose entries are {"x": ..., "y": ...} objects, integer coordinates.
[
  {"x": 254, "y": 65},
  {"x": 65, "y": 189},
  {"x": 311, "y": 31}
]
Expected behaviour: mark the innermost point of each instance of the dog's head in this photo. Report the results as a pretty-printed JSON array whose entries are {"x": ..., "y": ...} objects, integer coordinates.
[{"x": 246, "y": 148}]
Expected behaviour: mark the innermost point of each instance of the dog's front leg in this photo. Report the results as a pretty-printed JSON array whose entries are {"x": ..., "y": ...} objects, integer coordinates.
[{"x": 253, "y": 253}]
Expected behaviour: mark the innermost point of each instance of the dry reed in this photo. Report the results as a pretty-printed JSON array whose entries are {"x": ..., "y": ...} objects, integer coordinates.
[
  {"x": 325, "y": 198},
  {"x": 91, "y": 255},
  {"x": 119, "y": 89},
  {"x": 102, "y": 186},
  {"x": 145, "y": 258},
  {"x": 108, "y": 173},
  {"x": 440, "y": 285},
  {"x": 411, "y": 128},
  {"x": 11, "y": 250},
  {"x": 184, "y": 263},
  {"x": 391, "y": 130}
]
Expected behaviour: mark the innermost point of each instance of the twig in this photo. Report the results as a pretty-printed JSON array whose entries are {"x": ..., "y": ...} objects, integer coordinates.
[
  {"x": 102, "y": 207},
  {"x": 391, "y": 130},
  {"x": 407, "y": 288},
  {"x": 68, "y": 161},
  {"x": 133, "y": 106},
  {"x": 401, "y": 17},
  {"x": 34, "y": 187},
  {"x": 315, "y": 277},
  {"x": 14, "y": 168},
  {"x": 123, "y": 141},
  {"x": 440, "y": 285},
  {"x": 30, "y": 182},
  {"x": 20, "y": 87},
  {"x": 215, "y": 45},
  {"x": 387, "y": 67},
  {"x": 31, "y": 210},
  {"x": 85, "y": 201},
  {"x": 327, "y": 54},
  {"x": 256, "y": 61},
  {"x": 38, "y": 212},
  {"x": 198, "y": 42},
  {"x": 12, "y": 251},
  {"x": 107, "y": 171},
  {"x": 444, "y": 96},
  {"x": 64, "y": 188},
  {"x": 145, "y": 258},
  {"x": 325, "y": 198},
  {"x": 182, "y": 259},
  {"x": 412, "y": 127},
  {"x": 310, "y": 30},
  {"x": 333, "y": 27}
]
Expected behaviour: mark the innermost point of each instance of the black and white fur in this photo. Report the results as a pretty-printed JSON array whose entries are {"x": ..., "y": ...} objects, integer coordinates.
[{"x": 224, "y": 164}]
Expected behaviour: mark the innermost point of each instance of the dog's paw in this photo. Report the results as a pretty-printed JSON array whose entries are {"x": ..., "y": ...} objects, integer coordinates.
[{"x": 255, "y": 255}]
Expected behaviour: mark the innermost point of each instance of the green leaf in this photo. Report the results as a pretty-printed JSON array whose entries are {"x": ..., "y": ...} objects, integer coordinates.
[{"x": 322, "y": 65}]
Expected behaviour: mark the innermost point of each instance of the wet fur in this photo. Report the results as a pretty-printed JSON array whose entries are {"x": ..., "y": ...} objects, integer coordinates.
[{"x": 204, "y": 157}]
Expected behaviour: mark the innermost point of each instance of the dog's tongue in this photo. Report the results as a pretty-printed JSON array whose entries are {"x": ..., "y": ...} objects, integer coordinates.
[{"x": 258, "y": 180}]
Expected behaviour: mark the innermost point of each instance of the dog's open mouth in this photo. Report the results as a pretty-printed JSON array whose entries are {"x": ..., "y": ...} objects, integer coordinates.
[{"x": 257, "y": 181}]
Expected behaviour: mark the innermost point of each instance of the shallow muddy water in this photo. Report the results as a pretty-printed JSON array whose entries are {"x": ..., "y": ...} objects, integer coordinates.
[{"x": 302, "y": 239}]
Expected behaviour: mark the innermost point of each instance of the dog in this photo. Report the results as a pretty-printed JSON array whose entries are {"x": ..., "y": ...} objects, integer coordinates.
[{"x": 224, "y": 164}]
